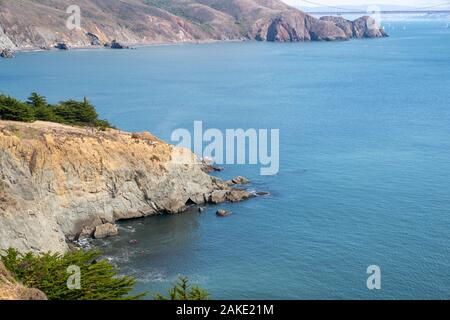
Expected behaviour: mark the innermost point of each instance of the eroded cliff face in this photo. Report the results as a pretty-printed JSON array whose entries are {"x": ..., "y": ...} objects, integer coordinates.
[
  {"x": 57, "y": 182},
  {"x": 34, "y": 24},
  {"x": 364, "y": 27},
  {"x": 295, "y": 26}
]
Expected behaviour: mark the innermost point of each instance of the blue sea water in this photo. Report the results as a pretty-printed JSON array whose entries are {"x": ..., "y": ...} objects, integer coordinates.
[{"x": 364, "y": 159}]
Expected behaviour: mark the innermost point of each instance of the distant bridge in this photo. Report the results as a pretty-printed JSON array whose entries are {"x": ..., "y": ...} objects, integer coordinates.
[
  {"x": 378, "y": 12},
  {"x": 332, "y": 9}
]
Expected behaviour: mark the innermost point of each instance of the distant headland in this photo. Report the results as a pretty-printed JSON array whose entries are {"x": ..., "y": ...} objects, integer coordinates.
[{"x": 37, "y": 26}]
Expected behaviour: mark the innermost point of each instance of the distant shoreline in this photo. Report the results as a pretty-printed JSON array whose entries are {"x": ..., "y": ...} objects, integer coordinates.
[{"x": 131, "y": 45}]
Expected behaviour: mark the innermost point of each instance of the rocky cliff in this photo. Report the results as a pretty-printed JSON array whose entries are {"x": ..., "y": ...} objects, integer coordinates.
[
  {"x": 32, "y": 24},
  {"x": 60, "y": 182}
]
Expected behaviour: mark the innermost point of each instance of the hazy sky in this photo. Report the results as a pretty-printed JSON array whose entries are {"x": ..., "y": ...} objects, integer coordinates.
[{"x": 418, "y": 3}]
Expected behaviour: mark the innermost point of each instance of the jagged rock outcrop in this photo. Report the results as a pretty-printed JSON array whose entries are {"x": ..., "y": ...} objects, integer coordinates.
[
  {"x": 35, "y": 24},
  {"x": 294, "y": 26},
  {"x": 5, "y": 41},
  {"x": 298, "y": 26},
  {"x": 222, "y": 213},
  {"x": 116, "y": 45},
  {"x": 10, "y": 289},
  {"x": 240, "y": 180},
  {"x": 60, "y": 182},
  {"x": 364, "y": 27},
  {"x": 345, "y": 25},
  {"x": 105, "y": 230},
  {"x": 62, "y": 46},
  {"x": 6, "y": 53},
  {"x": 94, "y": 39},
  {"x": 367, "y": 27}
]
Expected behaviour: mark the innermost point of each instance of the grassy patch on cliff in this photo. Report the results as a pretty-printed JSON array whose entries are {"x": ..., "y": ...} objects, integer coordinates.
[
  {"x": 182, "y": 10},
  {"x": 170, "y": 6},
  {"x": 71, "y": 112}
]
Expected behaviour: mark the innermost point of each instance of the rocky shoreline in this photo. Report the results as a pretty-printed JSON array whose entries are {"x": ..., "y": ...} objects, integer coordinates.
[
  {"x": 62, "y": 183},
  {"x": 9, "y": 53},
  {"x": 356, "y": 29}
]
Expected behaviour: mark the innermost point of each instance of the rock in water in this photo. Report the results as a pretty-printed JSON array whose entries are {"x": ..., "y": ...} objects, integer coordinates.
[
  {"x": 106, "y": 230},
  {"x": 238, "y": 195},
  {"x": 7, "y": 53},
  {"x": 219, "y": 196},
  {"x": 62, "y": 46},
  {"x": 240, "y": 180},
  {"x": 222, "y": 213},
  {"x": 232, "y": 195},
  {"x": 117, "y": 45}
]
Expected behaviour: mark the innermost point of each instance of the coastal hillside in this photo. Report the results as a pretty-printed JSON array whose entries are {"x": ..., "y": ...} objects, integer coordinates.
[
  {"x": 41, "y": 24},
  {"x": 62, "y": 183}
]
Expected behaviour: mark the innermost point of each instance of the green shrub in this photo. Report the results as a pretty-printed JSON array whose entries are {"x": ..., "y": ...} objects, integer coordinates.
[
  {"x": 72, "y": 112},
  {"x": 48, "y": 272},
  {"x": 182, "y": 290},
  {"x": 37, "y": 100},
  {"x": 76, "y": 112},
  {"x": 13, "y": 109},
  {"x": 102, "y": 125},
  {"x": 42, "y": 110},
  {"x": 47, "y": 113}
]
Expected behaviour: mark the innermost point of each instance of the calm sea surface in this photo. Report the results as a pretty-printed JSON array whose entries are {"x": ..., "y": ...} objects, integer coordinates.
[{"x": 365, "y": 159}]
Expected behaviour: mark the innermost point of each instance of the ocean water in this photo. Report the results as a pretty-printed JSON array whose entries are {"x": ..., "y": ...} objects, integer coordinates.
[{"x": 364, "y": 159}]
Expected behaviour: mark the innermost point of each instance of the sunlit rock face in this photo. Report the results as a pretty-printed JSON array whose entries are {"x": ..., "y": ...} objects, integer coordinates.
[{"x": 61, "y": 182}]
